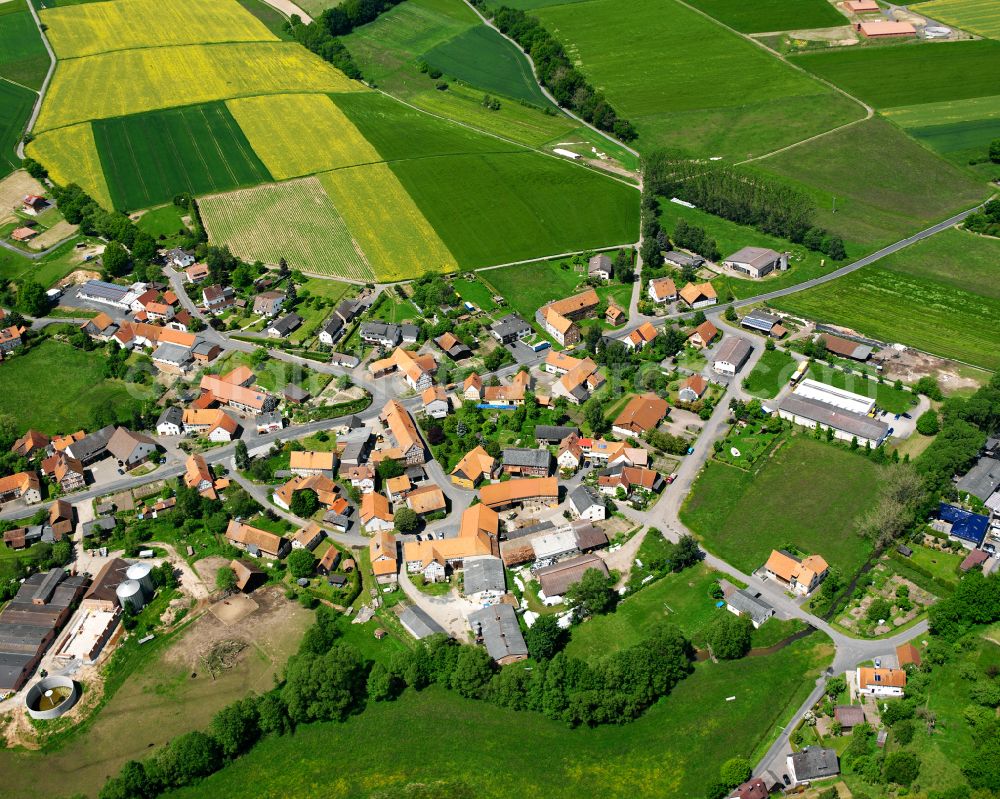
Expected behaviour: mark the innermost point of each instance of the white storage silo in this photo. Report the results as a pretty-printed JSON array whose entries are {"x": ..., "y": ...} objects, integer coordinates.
[
  {"x": 142, "y": 573},
  {"x": 130, "y": 593}
]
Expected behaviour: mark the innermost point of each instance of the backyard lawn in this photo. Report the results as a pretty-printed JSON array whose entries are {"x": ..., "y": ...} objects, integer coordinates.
[
  {"x": 942, "y": 565},
  {"x": 682, "y": 598},
  {"x": 527, "y": 287},
  {"x": 806, "y": 494},
  {"x": 56, "y": 388},
  {"x": 772, "y": 371}
]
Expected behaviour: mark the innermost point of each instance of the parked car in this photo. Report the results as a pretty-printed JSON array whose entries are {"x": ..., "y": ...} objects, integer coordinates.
[
  {"x": 784, "y": 778},
  {"x": 907, "y": 416}
]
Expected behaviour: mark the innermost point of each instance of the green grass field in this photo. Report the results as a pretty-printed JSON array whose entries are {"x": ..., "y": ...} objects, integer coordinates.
[
  {"x": 772, "y": 15},
  {"x": 148, "y": 158},
  {"x": 771, "y": 373},
  {"x": 273, "y": 19},
  {"x": 684, "y": 81},
  {"x": 682, "y": 599},
  {"x": 672, "y": 751},
  {"x": 163, "y": 221},
  {"x": 905, "y": 302},
  {"x": 399, "y": 132},
  {"x": 15, "y": 108},
  {"x": 482, "y": 57},
  {"x": 888, "y": 398},
  {"x": 806, "y": 494},
  {"x": 55, "y": 388},
  {"x": 548, "y": 207},
  {"x": 887, "y": 199},
  {"x": 476, "y": 292},
  {"x": 527, "y": 287},
  {"x": 888, "y": 77},
  {"x": 23, "y": 57},
  {"x": 960, "y": 130}
]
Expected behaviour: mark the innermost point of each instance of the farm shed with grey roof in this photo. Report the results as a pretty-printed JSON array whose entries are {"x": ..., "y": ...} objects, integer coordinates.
[
  {"x": 418, "y": 623},
  {"x": 483, "y": 574},
  {"x": 527, "y": 458},
  {"x": 813, "y": 763},
  {"x": 760, "y": 320},
  {"x": 552, "y": 434},
  {"x": 745, "y": 604},
  {"x": 557, "y": 578},
  {"x": 808, "y": 411},
  {"x": 982, "y": 479},
  {"x": 530, "y": 530},
  {"x": 501, "y": 634}
]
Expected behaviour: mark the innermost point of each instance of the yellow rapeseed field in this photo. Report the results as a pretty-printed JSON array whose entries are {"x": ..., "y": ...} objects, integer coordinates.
[
  {"x": 70, "y": 155},
  {"x": 976, "y": 16},
  {"x": 300, "y": 134},
  {"x": 397, "y": 240},
  {"x": 133, "y": 81},
  {"x": 92, "y": 28}
]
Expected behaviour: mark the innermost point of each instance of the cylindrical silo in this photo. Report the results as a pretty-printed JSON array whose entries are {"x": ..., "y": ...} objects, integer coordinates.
[
  {"x": 142, "y": 573},
  {"x": 130, "y": 593}
]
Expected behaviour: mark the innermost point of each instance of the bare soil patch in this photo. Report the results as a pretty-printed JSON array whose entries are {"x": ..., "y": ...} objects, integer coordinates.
[{"x": 13, "y": 188}]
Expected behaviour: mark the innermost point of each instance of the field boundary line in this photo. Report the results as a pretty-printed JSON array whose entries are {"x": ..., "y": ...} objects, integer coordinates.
[
  {"x": 497, "y": 136},
  {"x": 546, "y": 258},
  {"x": 275, "y": 40},
  {"x": 19, "y": 85},
  {"x": 45, "y": 83},
  {"x": 869, "y": 110},
  {"x": 548, "y": 94}
]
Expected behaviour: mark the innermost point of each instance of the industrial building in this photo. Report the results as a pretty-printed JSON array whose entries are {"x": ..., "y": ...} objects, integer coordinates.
[
  {"x": 837, "y": 397},
  {"x": 809, "y": 412},
  {"x": 31, "y": 620}
]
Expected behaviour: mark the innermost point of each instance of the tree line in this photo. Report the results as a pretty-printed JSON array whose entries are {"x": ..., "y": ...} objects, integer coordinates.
[
  {"x": 741, "y": 196},
  {"x": 557, "y": 73},
  {"x": 328, "y": 680}
]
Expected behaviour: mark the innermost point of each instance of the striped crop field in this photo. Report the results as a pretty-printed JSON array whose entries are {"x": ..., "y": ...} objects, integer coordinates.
[
  {"x": 974, "y": 16},
  {"x": 149, "y": 158},
  {"x": 293, "y": 220},
  {"x": 70, "y": 154},
  {"x": 395, "y": 236},
  {"x": 93, "y": 28},
  {"x": 132, "y": 81},
  {"x": 300, "y": 134}
]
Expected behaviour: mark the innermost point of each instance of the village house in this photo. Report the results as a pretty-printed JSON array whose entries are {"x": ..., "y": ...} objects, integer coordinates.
[
  {"x": 510, "y": 328},
  {"x": 614, "y": 315},
  {"x": 396, "y": 488},
  {"x": 586, "y": 503},
  {"x": 540, "y": 492},
  {"x": 33, "y": 205},
  {"x": 478, "y": 535},
  {"x": 282, "y": 327},
  {"x": 497, "y": 629},
  {"x": 526, "y": 462},
  {"x": 375, "y": 514},
  {"x": 11, "y": 338},
  {"x": 570, "y": 454},
  {"x": 385, "y": 564},
  {"x": 308, "y": 537},
  {"x": 325, "y": 489},
  {"x": 756, "y": 262},
  {"x": 408, "y": 445},
  {"x": 812, "y": 763},
  {"x": 171, "y": 422},
  {"x": 268, "y": 303},
  {"x": 880, "y": 682},
  {"x": 68, "y": 473},
  {"x": 476, "y": 465},
  {"x": 426, "y": 500},
  {"x": 628, "y": 479},
  {"x": 599, "y": 267},
  {"x": 511, "y": 395},
  {"x": 579, "y": 378},
  {"x": 331, "y": 331},
  {"x": 642, "y": 414},
  {"x": 558, "y": 318},
  {"x": 640, "y": 337},
  {"x": 198, "y": 476},
  {"x": 417, "y": 370},
  {"x": 692, "y": 389},
  {"x": 435, "y": 400},
  {"x": 662, "y": 290},
  {"x": 31, "y": 442},
  {"x": 741, "y": 602},
  {"x": 130, "y": 449},
  {"x": 306, "y": 463},
  {"x": 703, "y": 335},
  {"x": 179, "y": 259},
  {"x": 256, "y": 542},
  {"x": 472, "y": 388},
  {"x": 213, "y": 423},
  {"x": 217, "y": 299},
  {"x": 197, "y": 273},
  {"x": 799, "y": 576},
  {"x": 361, "y": 476},
  {"x": 385, "y": 335},
  {"x": 452, "y": 347},
  {"x": 698, "y": 295},
  {"x": 226, "y": 391}
]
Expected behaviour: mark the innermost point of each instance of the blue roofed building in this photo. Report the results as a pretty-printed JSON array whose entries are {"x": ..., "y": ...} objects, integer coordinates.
[{"x": 963, "y": 524}]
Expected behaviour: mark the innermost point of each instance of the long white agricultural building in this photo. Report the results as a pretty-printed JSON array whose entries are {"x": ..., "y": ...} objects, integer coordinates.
[
  {"x": 837, "y": 397},
  {"x": 809, "y": 412}
]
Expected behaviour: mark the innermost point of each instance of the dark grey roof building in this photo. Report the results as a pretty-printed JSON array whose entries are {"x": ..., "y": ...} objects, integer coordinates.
[
  {"x": 497, "y": 629},
  {"x": 418, "y": 623},
  {"x": 285, "y": 325},
  {"x": 813, "y": 763},
  {"x": 553, "y": 434},
  {"x": 808, "y": 411},
  {"x": 982, "y": 479},
  {"x": 746, "y": 604},
  {"x": 527, "y": 459},
  {"x": 760, "y": 320},
  {"x": 91, "y": 447},
  {"x": 509, "y": 328},
  {"x": 531, "y": 530},
  {"x": 483, "y": 574}
]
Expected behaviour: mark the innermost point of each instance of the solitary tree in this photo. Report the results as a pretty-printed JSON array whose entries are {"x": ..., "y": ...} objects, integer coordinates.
[
  {"x": 301, "y": 563},
  {"x": 736, "y": 770},
  {"x": 928, "y": 424},
  {"x": 544, "y": 638},
  {"x": 730, "y": 636},
  {"x": 405, "y": 520},
  {"x": 115, "y": 259},
  {"x": 304, "y": 503},
  {"x": 241, "y": 456}
]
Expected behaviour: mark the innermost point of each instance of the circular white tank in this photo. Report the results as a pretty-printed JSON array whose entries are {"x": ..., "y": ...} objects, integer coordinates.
[
  {"x": 130, "y": 593},
  {"x": 50, "y": 697},
  {"x": 142, "y": 574}
]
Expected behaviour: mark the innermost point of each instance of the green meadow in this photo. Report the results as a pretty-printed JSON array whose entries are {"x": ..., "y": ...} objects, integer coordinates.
[
  {"x": 685, "y": 81},
  {"x": 15, "y": 108},
  {"x": 23, "y": 57},
  {"x": 806, "y": 494},
  {"x": 148, "y": 158},
  {"x": 772, "y": 15}
]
